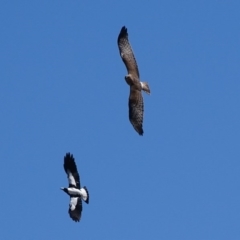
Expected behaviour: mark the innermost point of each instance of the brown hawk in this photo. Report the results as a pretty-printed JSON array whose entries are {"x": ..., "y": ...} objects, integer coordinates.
[{"x": 135, "y": 102}]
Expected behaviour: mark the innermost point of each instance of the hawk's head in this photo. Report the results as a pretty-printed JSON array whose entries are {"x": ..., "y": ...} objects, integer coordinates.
[{"x": 129, "y": 79}]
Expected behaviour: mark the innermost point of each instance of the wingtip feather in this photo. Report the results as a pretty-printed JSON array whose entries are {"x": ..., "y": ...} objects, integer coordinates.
[
  {"x": 123, "y": 33},
  {"x": 140, "y": 132}
]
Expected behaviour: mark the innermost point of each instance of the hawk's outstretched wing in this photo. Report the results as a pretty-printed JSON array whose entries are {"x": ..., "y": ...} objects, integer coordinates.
[
  {"x": 136, "y": 109},
  {"x": 75, "y": 208},
  {"x": 126, "y": 53},
  {"x": 71, "y": 171}
]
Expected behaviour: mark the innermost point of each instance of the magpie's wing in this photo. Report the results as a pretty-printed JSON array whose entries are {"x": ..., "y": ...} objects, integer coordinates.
[
  {"x": 71, "y": 171},
  {"x": 75, "y": 208}
]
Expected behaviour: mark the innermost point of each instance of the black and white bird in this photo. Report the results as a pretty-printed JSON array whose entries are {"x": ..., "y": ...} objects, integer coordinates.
[{"x": 74, "y": 190}]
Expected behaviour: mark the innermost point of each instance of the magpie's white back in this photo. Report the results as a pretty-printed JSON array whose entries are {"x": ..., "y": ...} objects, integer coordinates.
[{"x": 74, "y": 190}]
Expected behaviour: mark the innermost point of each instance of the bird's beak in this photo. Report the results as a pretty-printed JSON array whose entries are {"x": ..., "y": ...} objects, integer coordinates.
[{"x": 61, "y": 188}]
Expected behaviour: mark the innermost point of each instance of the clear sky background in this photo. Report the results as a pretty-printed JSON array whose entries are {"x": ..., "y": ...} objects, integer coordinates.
[{"x": 63, "y": 89}]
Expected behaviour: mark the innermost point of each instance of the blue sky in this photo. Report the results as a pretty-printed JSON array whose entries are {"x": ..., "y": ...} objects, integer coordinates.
[{"x": 63, "y": 89}]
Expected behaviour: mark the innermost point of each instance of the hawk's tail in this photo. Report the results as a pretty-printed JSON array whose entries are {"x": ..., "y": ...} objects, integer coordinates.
[{"x": 145, "y": 87}]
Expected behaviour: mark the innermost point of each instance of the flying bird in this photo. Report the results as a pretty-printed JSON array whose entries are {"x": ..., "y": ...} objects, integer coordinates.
[
  {"x": 135, "y": 102},
  {"x": 74, "y": 190}
]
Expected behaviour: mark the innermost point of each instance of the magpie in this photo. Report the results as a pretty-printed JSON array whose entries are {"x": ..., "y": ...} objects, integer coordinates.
[{"x": 74, "y": 190}]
